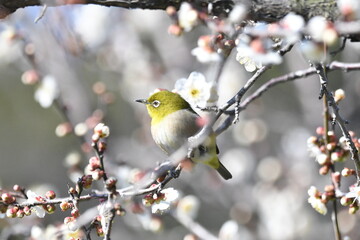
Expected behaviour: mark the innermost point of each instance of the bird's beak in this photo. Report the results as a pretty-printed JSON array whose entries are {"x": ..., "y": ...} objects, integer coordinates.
[{"x": 144, "y": 101}]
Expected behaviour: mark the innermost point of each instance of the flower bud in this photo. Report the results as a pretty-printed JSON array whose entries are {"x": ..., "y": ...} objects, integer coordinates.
[
  {"x": 324, "y": 170},
  {"x": 94, "y": 163},
  {"x": 339, "y": 95},
  {"x": 312, "y": 140},
  {"x": 68, "y": 220},
  {"x": 346, "y": 172},
  {"x": 320, "y": 131},
  {"x": 20, "y": 213},
  {"x": 50, "y": 194},
  {"x": 72, "y": 190},
  {"x": 353, "y": 208},
  {"x": 75, "y": 213},
  {"x": 345, "y": 201},
  {"x": 97, "y": 174},
  {"x": 64, "y": 206},
  {"x": 50, "y": 208},
  {"x": 27, "y": 210},
  {"x": 110, "y": 183},
  {"x": 11, "y": 212},
  {"x": 8, "y": 198},
  {"x": 102, "y": 130},
  {"x": 322, "y": 159},
  {"x": 17, "y": 188},
  {"x": 329, "y": 188}
]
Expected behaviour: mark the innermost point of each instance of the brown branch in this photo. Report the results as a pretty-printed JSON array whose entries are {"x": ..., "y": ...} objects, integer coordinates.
[{"x": 259, "y": 10}]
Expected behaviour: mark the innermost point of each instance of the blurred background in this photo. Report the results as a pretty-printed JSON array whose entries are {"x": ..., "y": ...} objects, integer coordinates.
[{"x": 129, "y": 54}]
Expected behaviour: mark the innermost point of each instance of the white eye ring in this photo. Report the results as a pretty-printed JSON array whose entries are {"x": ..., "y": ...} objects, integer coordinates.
[{"x": 155, "y": 103}]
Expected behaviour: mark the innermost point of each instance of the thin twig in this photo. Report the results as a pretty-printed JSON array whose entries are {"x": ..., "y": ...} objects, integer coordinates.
[
  {"x": 282, "y": 79},
  {"x": 334, "y": 215},
  {"x": 194, "y": 227},
  {"x": 341, "y": 122},
  {"x": 42, "y": 13}
]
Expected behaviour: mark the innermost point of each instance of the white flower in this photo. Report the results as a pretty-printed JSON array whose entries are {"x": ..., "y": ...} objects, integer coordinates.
[
  {"x": 354, "y": 193},
  {"x": 321, "y": 31},
  {"x": 188, "y": 17},
  {"x": 238, "y": 13},
  {"x": 293, "y": 22},
  {"x": 90, "y": 24},
  {"x": 196, "y": 90},
  {"x": 229, "y": 231},
  {"x": 47, "y": 91},
  {"x": 32, "y": 199},
  {"x": 205, "y": 52},
  {"x": 249, "y": 64},
  {"x": 203, "y": 55},
  {"x": 171, "y": 195},
  {"x": 255, "y": 53},
  {"x": 188, "y": 207},
  {"x": 349, "y": 8},
  {"x": 315, "y": 201},
  {"x": 102, "y": 130}
]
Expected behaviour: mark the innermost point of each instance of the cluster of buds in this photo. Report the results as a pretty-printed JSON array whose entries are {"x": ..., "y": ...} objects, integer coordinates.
[
  {"x": 70, "y": 222},
  {"x": 95, "y": 168},
  {"x": 100, "y": 131},
  {"x": 318, "y": 200},
  {"x": 12, "y": 209},
  {"x": 335, "y": 150},
  {"x": 152, "y": 198}
]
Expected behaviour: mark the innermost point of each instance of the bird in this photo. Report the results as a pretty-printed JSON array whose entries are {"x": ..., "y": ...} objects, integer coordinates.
[{"x": 173, "y": 122}]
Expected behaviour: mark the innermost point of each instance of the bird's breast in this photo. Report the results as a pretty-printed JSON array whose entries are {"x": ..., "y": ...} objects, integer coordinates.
[{"x": 173, "y": 130}]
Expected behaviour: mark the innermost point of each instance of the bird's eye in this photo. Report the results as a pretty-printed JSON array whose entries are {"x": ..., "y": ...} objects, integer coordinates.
[{"x": 155, "y": 103}]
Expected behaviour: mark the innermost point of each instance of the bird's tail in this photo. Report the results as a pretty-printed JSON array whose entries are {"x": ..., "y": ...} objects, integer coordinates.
[{"x": 223, "y": 171}]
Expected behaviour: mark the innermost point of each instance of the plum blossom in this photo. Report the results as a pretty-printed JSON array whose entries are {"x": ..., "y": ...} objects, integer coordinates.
[
  {"x": 171, "y": 195},
  {"x": 249, "y": 64},
  {"x": 196, "y": 90},
  {"x": 229, "y": 231},
  {"x": 47, "y": 91},
  {"x": 294, "y": 24},
  {"x": 254, "y": 53},
  {"x": 238, "y": 13},
  {"x": 188, "y": 16},
  {"x": 188, "y": 206},
  {"x": 315, "y": 200},
  {"x": 322, "y": 31},
  {"x": 205, "y": 51},
  {"x": 32, "y": 199}
]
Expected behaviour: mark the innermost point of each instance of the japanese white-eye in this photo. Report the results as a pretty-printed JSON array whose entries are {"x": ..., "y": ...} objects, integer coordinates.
[{"x": 173, "y": 121}]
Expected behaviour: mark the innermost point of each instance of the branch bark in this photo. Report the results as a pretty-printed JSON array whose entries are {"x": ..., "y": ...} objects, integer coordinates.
[{"x": 259, "y": 10}]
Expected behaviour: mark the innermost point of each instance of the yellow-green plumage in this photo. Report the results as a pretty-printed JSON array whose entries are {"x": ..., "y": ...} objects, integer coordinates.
[{"x": 173, "y": 121}]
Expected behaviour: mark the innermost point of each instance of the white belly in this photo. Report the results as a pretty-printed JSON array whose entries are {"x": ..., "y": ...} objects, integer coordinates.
[{"x": 174, "y": 130}]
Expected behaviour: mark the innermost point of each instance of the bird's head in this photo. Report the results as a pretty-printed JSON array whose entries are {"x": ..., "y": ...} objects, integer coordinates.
[{"x": 162, "y": 103}]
